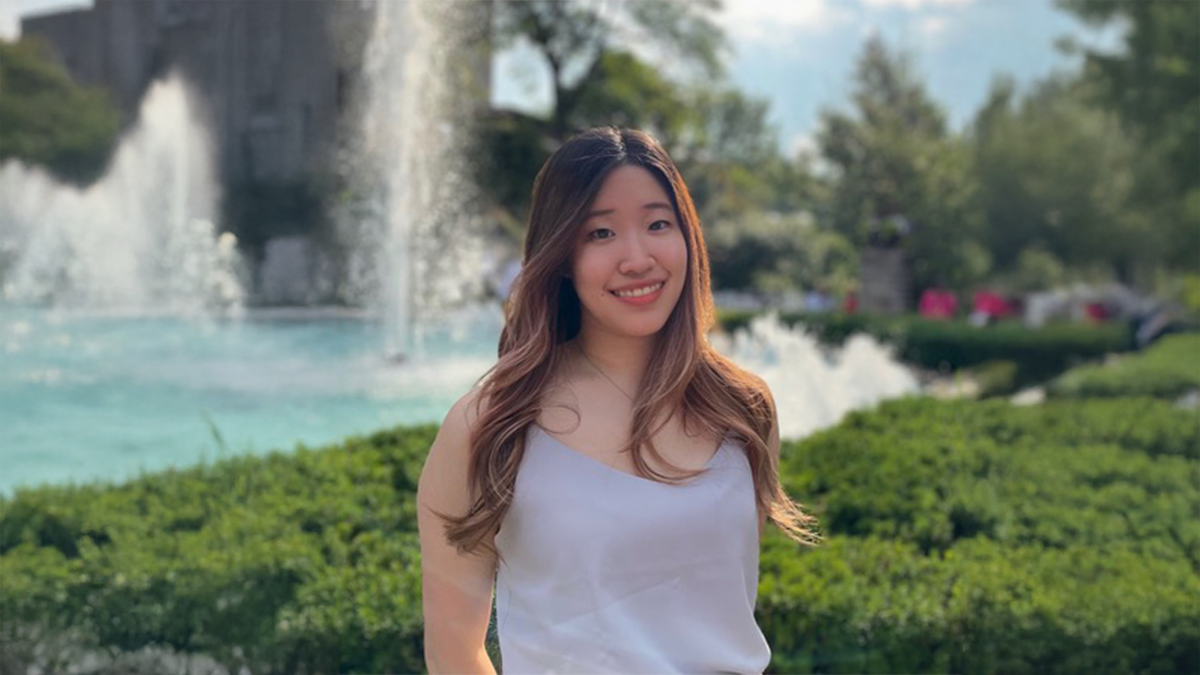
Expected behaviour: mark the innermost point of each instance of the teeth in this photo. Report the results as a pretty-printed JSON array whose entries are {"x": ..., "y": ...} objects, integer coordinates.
[{"x": 638, "y": 292}]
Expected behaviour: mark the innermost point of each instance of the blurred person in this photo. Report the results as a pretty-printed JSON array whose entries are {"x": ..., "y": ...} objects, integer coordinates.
[
  {"x": 937, "y": 303},
  {"x": 609, "y": 478},
  {"x": 819, "y": 301},
  {"x": 850, "y": 303},
  {"x": 989, "y": 308}
]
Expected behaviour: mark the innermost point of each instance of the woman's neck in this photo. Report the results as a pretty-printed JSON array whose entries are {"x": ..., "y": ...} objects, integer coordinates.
[{"x": 622, "y": 358}]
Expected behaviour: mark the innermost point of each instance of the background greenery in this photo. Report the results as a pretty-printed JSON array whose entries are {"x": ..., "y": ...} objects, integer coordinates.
[{"x": 48, "y": 120}]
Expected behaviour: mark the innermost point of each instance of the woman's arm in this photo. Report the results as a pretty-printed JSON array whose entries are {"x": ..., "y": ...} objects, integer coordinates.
[{"x": 456, "y": 589}]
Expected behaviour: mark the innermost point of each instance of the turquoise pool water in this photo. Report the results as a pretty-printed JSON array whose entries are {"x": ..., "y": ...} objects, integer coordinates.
[{"x": 88, "y": 397}]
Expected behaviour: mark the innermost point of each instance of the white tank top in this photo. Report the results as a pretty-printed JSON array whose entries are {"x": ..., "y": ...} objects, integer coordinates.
[{"x": 606, "y": 572}]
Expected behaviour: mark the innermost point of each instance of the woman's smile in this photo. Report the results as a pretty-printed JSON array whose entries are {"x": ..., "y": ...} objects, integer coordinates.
[{"x": 640, "y": 295}]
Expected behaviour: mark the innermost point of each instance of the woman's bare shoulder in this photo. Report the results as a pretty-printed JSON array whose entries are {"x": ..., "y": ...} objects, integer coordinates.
[
  {"x": 465, "y": 412},
  {"x": 451, "y": 449}
]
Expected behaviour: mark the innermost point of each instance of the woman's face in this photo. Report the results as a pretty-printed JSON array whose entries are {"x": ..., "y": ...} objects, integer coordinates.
[{"x": 630, "y": 258}]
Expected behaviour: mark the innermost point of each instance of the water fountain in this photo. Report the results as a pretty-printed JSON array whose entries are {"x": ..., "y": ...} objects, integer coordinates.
[
  {"x": 419, "y": 233},
  {"x": 140, "y": 240},
  {"x": 116, "y": 349},
  {"x": 814, "y": 387}
]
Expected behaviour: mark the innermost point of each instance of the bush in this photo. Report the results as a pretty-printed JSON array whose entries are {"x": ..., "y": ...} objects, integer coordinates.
[
  {"x": 982, "y": 537},
  {"x": 859, "y": 605},
  {"x": 1039, "y": 354},
  {"x": 1168, "y": 369},
  {"x": 273, "y": 563}
]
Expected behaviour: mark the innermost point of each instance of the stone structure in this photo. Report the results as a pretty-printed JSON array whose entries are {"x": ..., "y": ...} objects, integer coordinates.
[
  {"x": 883, "y": 281},
  {"x": 274, "y": 75},
  {"x": 281, "y": 84}
]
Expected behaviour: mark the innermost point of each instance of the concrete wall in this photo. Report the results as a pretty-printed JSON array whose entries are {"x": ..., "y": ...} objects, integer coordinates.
[
  {"x": 883, "y": 281},
  {"x": 272, "y": 79}
]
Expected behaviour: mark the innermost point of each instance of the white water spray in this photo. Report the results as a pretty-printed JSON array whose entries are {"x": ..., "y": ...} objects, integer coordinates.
[
  {"x": 415, "y": 246},
  {"x": 813, "y": 388},
  {"x": 141, "y": 239}
]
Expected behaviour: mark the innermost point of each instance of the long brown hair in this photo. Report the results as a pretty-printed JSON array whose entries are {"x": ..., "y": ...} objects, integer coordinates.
[{"x": 685, "y": 374}]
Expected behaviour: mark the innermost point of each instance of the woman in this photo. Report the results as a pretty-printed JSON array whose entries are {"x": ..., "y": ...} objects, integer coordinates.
[{"x": 610, "y": 477}]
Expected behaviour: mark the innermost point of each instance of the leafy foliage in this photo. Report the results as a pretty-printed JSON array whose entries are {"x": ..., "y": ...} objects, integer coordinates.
[
  {"x": 979, "y": 537},
  {"x": 1153, "y": 85},
  {"x": 1059, "y": 176},
  {"x": 1038, "y": 354},
  {"x": 576, "y": 41},
  {"x": 50, "y": 121},
  {"x": 901, "y": 179},
  {"x": 778, "y": 252},
  {"x": 264, "y": 562},
  {"x": 1170, "y": 368}
]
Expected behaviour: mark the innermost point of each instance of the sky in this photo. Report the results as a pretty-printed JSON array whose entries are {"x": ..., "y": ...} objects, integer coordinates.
[{"x": 799, "y": 54}]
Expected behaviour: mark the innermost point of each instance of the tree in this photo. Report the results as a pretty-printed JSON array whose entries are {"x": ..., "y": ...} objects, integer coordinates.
[
  {"x": 625, "y": 91},
  {"x": 1154, "y": 87},
  {"x": 729, "y": 153},
  {"x": 775, "y": 252},
  {"x": 900, "y": 178},
  {"x": 1059, "y": 175},
  {"x": 48, "y": 120},
  {"x": 575, "y": 39}
]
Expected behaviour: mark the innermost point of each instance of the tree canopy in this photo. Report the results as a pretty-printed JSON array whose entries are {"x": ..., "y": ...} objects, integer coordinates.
[
  {"x": 1059, "y": 174},
  {"x": 1153, "y": 85},
  {"x": 900, "y": 179},
  {"x": 579, "y": 40},
  {"x": 49, "y": 120}
]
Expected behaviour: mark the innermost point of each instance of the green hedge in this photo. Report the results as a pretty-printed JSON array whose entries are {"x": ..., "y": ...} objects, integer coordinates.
[
  {"x": 871, "y": 605},
  {"x": 300, "y": 562},
  {"x": 984, "y": 538},
  {"x": 1039, "y": 354},
  {"x": 1167, "y": 369},
  {"x": 962, "y": 537}
]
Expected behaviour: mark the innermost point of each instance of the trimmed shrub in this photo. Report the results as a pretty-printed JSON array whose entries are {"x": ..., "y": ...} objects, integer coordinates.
[
  {"x": 1167, "y": 369},
  {"x": 982, "y": 537},
  {"x": 304, "y": 562}
]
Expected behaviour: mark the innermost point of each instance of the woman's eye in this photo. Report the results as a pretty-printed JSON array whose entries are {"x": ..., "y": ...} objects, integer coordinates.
[
  {"x": 600, "y": 233},
  {"x": 660, "y": 225}
]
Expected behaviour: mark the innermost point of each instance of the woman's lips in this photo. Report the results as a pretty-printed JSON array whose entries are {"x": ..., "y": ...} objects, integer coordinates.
[{"x": 643, "y": 298}]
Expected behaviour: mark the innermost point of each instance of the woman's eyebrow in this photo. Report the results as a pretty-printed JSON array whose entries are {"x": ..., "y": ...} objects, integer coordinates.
[{"x": 645, "y": 207}]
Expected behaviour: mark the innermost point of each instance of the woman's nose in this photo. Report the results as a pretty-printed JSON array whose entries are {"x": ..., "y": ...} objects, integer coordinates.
[{"x": 638, "y": 258}]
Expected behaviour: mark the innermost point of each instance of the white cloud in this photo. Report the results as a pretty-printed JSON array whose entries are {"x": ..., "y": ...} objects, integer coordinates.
[
  {"x": 914, "y": 4},
  {"x": 802, "y": 143},
  {"x": 11, "y": 12},
  {"x": 774, "y": 21},
  {"x": 932, "y": 27},
  {"x": 10, "y": 29},
  {"x": 10, "y": 23}
]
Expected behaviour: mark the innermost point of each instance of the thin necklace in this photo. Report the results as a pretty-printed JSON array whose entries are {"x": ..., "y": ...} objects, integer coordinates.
[{"x": 603, "y": 374}]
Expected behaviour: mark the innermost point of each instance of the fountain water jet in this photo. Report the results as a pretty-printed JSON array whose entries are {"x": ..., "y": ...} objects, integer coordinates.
[
  {"x": 814, "y": 388},
  {"x": 413, "y": 240},
  {"x": 140, "y": 240}
]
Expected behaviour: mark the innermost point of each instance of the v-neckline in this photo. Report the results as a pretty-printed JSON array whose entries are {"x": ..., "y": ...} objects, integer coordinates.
[{"x": 592, "y": 460}]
